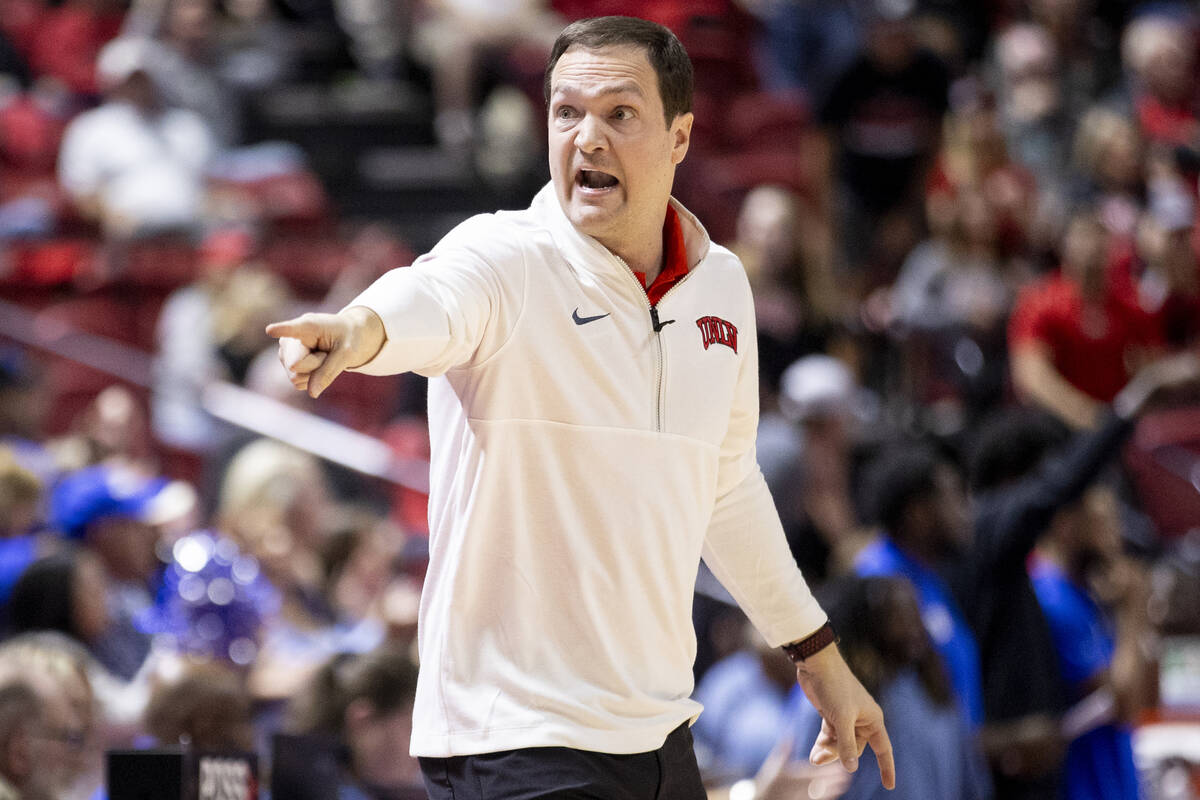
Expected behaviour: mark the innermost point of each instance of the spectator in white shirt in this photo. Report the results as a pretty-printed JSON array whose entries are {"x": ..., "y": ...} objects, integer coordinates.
[{"x": 133, "y": 164}]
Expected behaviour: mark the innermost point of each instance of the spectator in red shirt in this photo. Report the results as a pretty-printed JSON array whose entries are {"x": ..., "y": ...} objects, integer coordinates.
[{"x": 1075, "y": 339}]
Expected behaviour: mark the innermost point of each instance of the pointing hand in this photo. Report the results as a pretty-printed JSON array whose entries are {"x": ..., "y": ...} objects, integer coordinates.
[{"x": 316, "y": 348}]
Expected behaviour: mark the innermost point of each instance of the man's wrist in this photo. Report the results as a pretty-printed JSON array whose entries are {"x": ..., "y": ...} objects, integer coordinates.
[
  {"x": 372, "y": 334},
  {"x": 801, "y": 650}
]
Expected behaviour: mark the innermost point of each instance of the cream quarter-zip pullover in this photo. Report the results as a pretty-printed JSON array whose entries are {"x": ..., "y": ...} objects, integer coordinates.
[{"x": 587, "y": 451}]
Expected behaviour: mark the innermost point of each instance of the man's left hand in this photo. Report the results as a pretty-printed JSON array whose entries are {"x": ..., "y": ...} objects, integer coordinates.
[{"x": 850, "y": 717}]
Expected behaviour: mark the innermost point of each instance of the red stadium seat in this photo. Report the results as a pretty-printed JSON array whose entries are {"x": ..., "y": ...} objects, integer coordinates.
[
  {"x": 29, "y": 136},
  {"x": 768, "y": 120},
  {"x": 366, "y": 403},
  {"x": 52, "y": 263},
  {"x": 293, "y": 201},
  {"x": 1164, "y": 463},
  {"x": 113, "y": 313},
  {"x": 309, "y": 263},
  {"x": 161, "y": 263}
]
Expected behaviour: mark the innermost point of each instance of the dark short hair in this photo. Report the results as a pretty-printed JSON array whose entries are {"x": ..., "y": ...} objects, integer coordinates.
[
  {"x": 900, "y": 476},
  {"x": 859, "y": 608},
  {"x": 663, "y": 49},
  {"x": 385, "y": 677},
  {"x": 42, "y": 598},
  {"x": 1013, "y": 444}
]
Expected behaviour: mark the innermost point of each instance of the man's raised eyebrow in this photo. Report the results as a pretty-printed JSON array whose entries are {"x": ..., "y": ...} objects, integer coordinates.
[{"x": 607, "y": 89}]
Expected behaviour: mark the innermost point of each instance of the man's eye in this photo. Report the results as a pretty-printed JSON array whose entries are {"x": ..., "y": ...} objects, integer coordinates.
[
  {"x": 623, "y": 113},
  {"x": 565, "y": 112}
]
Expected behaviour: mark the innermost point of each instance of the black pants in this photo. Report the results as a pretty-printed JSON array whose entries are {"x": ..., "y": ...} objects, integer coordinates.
[{"x": 668, "y": 773}]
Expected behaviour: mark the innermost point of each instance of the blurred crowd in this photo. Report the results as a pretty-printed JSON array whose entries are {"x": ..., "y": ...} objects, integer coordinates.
[{"x": 971, "y": 232}]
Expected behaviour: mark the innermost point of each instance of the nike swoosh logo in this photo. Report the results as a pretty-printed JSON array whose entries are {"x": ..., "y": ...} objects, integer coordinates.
[{"x": 585, "y": 320}]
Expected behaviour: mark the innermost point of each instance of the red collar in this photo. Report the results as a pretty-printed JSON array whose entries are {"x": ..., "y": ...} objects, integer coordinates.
[{"x": 675, "y": 260}]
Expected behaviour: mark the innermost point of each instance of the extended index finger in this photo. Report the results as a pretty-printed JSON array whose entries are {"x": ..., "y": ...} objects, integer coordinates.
[
  {"x": 295, "y": 328},
  {"x": 881, "y": 744}
]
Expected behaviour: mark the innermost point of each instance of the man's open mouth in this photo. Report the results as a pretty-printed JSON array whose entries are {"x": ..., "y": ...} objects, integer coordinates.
[{"x": 594, "y": 179}]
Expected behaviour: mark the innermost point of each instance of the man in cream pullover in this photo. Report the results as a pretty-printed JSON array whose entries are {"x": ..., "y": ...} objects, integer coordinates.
[{"x": 592, "y": 407}]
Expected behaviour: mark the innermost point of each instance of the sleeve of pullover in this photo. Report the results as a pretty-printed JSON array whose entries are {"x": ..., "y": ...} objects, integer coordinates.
[
  {"x": 745, "y": 545},
  {"x": 455, "y": 305}
]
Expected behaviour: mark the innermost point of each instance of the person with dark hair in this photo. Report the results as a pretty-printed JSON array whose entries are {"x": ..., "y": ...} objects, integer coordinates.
[
  {"x": 1011, "y": 444},
  {"x": 921, "y": 508},
  {"x": 900, "y": 476},
  {"x": 593, "y": 406},
  {"x": 59, "y": 601},
  {"x": 670, "y": 62},
  {"x": 970, "y": 572},
  {"x": 63, "y": 592},
  {"x": 1095, "y": 599},
  {"x": 885, "y": 643},
  {"x": 364, "y": 703},
  {"x": 1025, "y": 475}
]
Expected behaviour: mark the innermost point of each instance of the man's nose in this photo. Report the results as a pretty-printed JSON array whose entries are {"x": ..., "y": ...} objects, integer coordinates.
[{"x": 589, "y": 136}]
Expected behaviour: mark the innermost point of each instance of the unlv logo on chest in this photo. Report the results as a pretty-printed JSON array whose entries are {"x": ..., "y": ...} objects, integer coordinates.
[{"x": 714, "y": 330}]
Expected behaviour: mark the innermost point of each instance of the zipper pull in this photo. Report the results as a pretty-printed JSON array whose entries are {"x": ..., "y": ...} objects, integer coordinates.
[{"x": 658, "y": 326}]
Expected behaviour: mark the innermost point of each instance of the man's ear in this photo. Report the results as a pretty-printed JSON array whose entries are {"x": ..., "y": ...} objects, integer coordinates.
[{"x": 681, "y": 136}]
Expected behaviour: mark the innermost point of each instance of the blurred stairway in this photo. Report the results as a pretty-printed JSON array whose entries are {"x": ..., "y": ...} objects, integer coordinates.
[{"x": 372, "y": 144}]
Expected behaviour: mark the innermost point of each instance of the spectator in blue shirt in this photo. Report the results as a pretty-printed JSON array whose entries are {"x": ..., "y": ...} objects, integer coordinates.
[
  {"x": 745, "y": 696},
  {"x": 1027, "y": 475},
  {"x": 111, "y": 511},
  {"x": 1075, "y": 565},
  {"x": 920, "y": 504}
]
